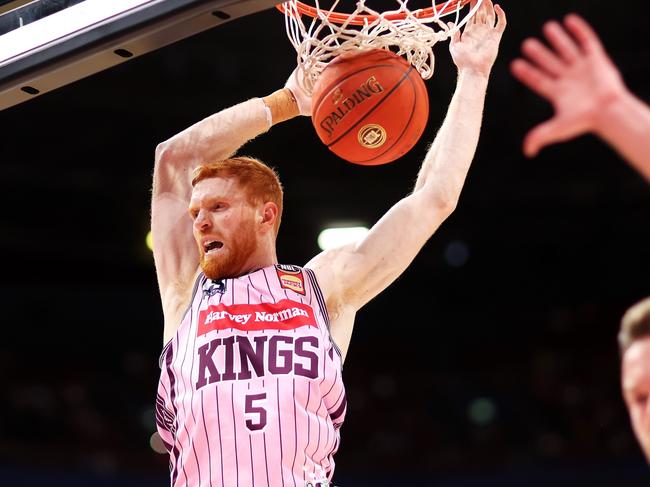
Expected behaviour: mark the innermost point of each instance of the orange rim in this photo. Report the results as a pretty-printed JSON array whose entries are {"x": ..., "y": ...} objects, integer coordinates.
[{"x": 340, "y": 18}]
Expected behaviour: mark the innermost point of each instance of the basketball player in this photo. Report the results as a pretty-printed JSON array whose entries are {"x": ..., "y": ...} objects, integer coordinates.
[
  {"x": 250, "y": 391},
  {"x": 587, "y": 91},
  {"x": 634, "y": 343}
]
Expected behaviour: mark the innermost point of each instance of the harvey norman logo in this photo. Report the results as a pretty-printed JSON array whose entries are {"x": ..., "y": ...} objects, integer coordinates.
[{"x": 283, "y": 315}]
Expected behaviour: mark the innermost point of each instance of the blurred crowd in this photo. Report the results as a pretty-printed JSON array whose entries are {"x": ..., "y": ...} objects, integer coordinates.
[{"x": 464, "y": 405}]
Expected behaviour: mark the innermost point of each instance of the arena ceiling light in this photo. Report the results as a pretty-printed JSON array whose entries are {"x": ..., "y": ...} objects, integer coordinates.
[
  {"x": 148, "y": 240},
  {"x": 341, "y": 234}
]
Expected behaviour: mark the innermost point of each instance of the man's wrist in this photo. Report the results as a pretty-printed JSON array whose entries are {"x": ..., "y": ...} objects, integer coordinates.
[
  {"x": 472, "y": 82},
  {"x": 473, "y": 73},
  {"x": 282, "y": 105}
]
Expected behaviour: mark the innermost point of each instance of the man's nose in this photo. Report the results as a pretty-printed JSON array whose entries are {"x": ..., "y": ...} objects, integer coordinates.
[{"x": 202, "y": 222}]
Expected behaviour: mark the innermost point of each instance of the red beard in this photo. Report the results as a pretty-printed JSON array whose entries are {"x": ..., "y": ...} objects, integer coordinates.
[{"x": 231, "y": 259}]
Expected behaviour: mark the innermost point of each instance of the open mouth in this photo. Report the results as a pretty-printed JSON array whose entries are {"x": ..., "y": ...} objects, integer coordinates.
[{"x": 212, "y": 246}]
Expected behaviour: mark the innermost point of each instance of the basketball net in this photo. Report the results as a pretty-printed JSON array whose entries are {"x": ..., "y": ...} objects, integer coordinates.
[{"x": 326, "y": 33}]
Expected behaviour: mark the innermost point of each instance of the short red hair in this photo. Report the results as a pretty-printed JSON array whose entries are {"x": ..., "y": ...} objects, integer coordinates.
[{"x": 260, "y": 182}]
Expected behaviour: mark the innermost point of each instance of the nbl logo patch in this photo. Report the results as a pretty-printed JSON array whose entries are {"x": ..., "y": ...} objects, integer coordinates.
[{"x": 291, "y": 278}]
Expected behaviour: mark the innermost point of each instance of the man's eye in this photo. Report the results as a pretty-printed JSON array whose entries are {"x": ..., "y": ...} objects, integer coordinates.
[{"x": 641, "y": 399}]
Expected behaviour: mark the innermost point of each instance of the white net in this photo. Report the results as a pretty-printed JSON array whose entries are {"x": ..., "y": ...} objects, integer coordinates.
[{"x": 319, "y": 39}]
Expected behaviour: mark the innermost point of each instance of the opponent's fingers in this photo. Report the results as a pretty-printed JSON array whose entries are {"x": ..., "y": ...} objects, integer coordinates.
[
  {"x": 561, "y": 41},
  {"x": 550, "y": 132},
  {"x": 543, "y": 57},
  {"x": 535, "y": 79},
  {"x": 583, "y": 32},
  {"x": 501, "y": 19}
]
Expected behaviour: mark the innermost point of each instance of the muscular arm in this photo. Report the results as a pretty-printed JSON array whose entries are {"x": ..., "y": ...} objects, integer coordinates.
[
  {"x": 352, "y": 275},
  {"x": 216, "y": 137},
  {"x": 587, "y": 91}
]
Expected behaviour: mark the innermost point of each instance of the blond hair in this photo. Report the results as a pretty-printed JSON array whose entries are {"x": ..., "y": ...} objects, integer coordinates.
[{"x": 635, "y": 324}]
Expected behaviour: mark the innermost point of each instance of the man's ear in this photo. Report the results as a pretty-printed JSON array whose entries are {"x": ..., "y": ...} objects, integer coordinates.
[{"x": 269, "y": 214}]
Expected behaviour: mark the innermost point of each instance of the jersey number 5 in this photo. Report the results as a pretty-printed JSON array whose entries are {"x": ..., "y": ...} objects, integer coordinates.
[{"x": 257, "y": 410}]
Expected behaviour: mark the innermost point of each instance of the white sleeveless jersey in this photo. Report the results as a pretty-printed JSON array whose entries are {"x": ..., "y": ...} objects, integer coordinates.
[{"x": 250, "y": 391}]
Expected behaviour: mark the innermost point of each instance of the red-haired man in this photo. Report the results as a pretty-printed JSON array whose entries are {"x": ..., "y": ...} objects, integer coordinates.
[{"x": 250, "y": 390}]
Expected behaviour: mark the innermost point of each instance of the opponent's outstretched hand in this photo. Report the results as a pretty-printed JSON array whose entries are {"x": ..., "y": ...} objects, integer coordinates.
[
  {"x": 476, "y": 48},
  {"x": 576, "y": 75}
]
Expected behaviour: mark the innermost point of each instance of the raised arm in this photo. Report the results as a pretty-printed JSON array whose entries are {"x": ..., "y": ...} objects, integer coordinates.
[
  {"x": 352, "y": 275},
  {"x": 586, "y": 90},
  {"x": 216, "y": 137}
]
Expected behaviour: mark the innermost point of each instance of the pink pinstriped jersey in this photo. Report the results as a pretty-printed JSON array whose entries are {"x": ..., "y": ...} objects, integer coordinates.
[{"x": 250, "y": 391}]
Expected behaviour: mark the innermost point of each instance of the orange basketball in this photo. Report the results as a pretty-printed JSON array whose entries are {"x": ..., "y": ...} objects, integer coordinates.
[{"x": 371, "y": 107}]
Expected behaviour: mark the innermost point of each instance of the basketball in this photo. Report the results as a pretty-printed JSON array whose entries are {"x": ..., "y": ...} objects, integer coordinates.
[{"x": 370, "y": 108}]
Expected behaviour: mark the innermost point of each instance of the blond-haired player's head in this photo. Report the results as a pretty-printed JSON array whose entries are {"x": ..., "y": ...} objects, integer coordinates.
[
  {"x": 236, "y": 207},
  {"x": 634, "y": 344}
]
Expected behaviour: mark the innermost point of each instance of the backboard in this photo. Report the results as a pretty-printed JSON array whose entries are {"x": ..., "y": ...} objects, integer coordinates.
[{"x": 46, "y": 44}]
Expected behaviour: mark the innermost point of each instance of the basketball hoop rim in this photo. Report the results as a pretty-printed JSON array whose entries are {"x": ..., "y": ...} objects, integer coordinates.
[{"x": 339, "y": 18}]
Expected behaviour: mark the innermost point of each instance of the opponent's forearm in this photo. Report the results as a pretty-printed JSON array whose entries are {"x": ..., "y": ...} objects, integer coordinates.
[
  {"x": 624, "y": 124},
  {"x": 448, "y": 160}
]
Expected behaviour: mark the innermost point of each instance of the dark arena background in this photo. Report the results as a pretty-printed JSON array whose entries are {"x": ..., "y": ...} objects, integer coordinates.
[{"x": 491, "y": 362}]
